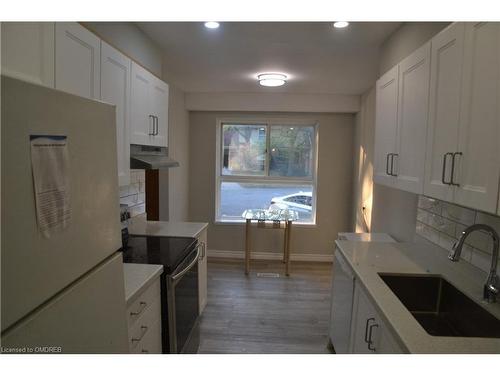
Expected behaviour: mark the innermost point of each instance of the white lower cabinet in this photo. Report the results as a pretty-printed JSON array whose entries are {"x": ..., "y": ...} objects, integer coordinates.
[
  {"x": 144, "y": 321},
  {"x": 28, "y": 51},
  {"x": 369, "y": 335},
  {"x": 202, "y": 272}
]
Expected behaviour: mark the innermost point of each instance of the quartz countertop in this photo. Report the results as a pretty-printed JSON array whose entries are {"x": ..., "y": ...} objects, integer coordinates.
[
  {"x": 367, "y": 259},
  {"x": 138, "y": 277},
  {"x": 139, "y": 226}
]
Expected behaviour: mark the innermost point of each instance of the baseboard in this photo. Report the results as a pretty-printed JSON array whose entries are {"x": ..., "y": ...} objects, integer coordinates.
[{"x": 269, "y": 256}]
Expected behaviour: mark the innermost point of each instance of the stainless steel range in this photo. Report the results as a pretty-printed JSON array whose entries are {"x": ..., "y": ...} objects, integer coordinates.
[{"x": 179, "y": 286}]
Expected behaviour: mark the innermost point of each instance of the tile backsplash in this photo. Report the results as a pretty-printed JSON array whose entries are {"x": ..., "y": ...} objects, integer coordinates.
[
  {"x": 442, "y": 223},
  {"x": 134, "y": 194}
]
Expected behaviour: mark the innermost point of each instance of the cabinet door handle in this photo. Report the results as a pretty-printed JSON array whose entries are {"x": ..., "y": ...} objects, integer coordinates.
[
  {"x": 370, "y": 341},
  {"x": 392, "y": 165},
  {"x": 387, "y": 165},
  {"x": 143, "y": 306},
  {"x": 144, "y": 329},
  {"x": 443, "y": 176},
  {"x": 156, "y": 126},
  {"x": 452, "y": 182},
  {"x": 366, "y": 328},
  {"x": 149, "y": 131}
]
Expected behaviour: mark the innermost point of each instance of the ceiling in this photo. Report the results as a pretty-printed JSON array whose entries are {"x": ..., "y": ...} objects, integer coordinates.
[{"x": 316, "y": 57}]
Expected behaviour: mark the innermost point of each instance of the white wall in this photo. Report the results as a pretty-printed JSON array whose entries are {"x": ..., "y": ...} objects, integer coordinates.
[
  {"x": 334, "y": 189},
  {"x": 272, "y": 102},
  {"x": 405, "y": 40},
  {"x": 178, "y": 149},
  {"x": 363, "y": 162}
]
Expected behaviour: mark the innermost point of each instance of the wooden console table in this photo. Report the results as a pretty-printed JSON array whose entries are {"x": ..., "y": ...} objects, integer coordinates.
[{"x": 266, "y": 219}]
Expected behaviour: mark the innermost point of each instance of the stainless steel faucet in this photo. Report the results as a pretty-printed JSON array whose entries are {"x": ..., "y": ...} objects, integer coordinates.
[{"x": 492, "y": 286}]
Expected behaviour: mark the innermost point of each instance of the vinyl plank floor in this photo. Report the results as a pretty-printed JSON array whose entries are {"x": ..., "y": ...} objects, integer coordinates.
[{"x": 262, "y": 314}]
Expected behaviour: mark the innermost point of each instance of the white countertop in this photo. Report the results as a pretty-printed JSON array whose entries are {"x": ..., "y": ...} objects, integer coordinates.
[
  {"x": 138, "y": 277},
  {"x": 367, "y": 259},
  {"x": 140, "y": 227}
]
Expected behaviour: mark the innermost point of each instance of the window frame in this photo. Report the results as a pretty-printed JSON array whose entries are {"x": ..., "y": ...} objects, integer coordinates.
[{"x": 266, "y": 122}]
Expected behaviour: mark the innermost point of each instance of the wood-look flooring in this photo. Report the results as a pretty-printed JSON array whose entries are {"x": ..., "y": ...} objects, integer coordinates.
[{"x": 257, "y": 314}]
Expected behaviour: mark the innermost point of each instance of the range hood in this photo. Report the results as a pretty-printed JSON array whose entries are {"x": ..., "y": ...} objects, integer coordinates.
[{"x": 150, "y": 157}]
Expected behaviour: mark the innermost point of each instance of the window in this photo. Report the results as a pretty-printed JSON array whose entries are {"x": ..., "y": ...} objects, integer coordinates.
[{"x": 266, "y": 164}]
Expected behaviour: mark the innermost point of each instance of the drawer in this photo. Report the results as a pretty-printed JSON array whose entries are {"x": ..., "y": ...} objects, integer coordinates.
[
  {"x": 140, "y": 304},
  {"x": 150, "y": 343},
  {"x": 144, "y": 324}
]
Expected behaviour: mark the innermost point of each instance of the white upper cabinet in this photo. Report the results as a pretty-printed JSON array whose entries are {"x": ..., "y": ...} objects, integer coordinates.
[
  {"x": 115, "y": 89},
  {"x": 444, "y": 105},
  {"x": 160, "y": 110},
  {"x": 478, "y": 154},
  {"x": 77, "y": 60},
  {"x": 386, "y": 127},
  {"x": 28, "y": 51},
  {"x": 413, "y": 93},
  {"x": 149, "y": 108},
  {"x": 141, "y": 127}
]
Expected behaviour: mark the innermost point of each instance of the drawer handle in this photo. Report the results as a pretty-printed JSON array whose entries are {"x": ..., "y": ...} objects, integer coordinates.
[
  {"x": 143, "y": 306},
  {"x": 144, "y": 329},
  {"x": 144, "y": 351}
]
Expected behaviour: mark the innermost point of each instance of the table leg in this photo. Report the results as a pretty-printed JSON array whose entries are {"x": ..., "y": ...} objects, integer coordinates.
[
  {"x": 288, "y": 233},
  {"x": 247, "y": 246},
  {"x": 284, "y": 243}
]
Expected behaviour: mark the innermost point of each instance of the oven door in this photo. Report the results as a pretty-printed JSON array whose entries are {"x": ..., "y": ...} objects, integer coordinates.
[{"x": 183, "y": 309}]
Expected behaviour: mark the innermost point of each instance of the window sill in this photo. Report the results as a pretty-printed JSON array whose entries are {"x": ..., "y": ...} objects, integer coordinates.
[{"x": 242, "y": 223}]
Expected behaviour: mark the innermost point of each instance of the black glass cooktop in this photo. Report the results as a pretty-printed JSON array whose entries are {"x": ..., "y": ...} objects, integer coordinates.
[{"x": 168, "y": 251}]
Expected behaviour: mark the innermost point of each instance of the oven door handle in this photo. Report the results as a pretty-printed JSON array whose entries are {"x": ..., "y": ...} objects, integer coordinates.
[{"x": 178, "y": 275}]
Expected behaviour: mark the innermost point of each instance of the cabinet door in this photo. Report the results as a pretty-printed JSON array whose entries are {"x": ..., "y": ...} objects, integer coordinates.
[
  {"x": 77, "y": 61},
  {"x": 160, "y": 110},
  {"x": 202, "y": 273},
  {"x": 413, "y": 93},
  {"x": 115, "y": 89},
  {"x": 28, "y": 51},
  {"x": 477, "y": 168},
  {"x": 364, "y": 317},
  {"x": 385, "y": 126},
  {"x": 444, "y": 104},
  {"x": 141, "y": 113},
  {"x": 369, "y": 335}
]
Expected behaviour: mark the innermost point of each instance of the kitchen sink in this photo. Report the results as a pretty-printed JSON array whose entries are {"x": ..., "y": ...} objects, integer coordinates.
[{"x": 440, "y": 308}]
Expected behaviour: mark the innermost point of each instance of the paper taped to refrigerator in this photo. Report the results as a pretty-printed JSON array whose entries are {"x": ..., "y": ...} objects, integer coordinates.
[{"x": 50, "y": 164}]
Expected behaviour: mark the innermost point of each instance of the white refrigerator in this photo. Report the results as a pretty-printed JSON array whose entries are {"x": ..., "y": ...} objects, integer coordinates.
[{"x": 65, "y": 292}]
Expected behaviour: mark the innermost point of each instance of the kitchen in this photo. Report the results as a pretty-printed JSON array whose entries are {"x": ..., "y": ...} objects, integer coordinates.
[{"x": 231, "y": 187}]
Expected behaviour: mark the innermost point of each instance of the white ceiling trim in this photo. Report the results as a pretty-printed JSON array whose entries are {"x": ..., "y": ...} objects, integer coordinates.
[{"x": 272, "y": 102}]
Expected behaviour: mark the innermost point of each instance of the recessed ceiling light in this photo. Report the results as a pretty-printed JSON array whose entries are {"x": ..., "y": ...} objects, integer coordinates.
[
  {"x": 212, "y": 25},
  {"x": 340, "y": 24},
  {"x": 272, "y": 79}
]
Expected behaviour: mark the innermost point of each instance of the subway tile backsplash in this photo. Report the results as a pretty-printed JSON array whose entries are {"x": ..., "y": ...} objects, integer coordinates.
[
  {"x": 133, "y": 195},
  {"x": 442, "y": 223}
]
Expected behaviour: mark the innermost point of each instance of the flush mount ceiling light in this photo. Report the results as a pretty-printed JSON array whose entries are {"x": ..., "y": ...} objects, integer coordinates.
[
  {"x": 340, "y": 24},
  {"x": 272, "y": 79},
  {"x": 212, "y": 25}
]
